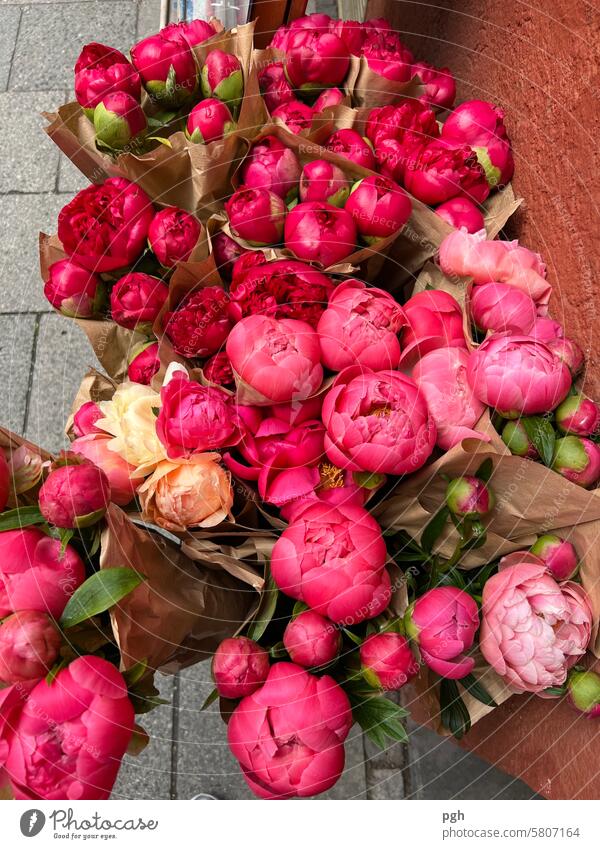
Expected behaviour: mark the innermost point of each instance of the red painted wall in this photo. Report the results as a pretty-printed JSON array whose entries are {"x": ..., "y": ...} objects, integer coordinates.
[{"x": 540, "y": 61}]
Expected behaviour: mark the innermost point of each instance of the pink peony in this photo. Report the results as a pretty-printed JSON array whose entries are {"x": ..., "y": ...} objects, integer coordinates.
[
  {"x": 360, "y": 326},
  {"x": 322, "y": 181},
  {"x": 440, "y": 171},
  {"x": 121, "y": 474},
  {"x": 35, "y": 574},
  {"x": 65, "y": 740},
  {"x": 136, "y": 300},
  {"x": 461, "y": 212},
  {"x": 119, "y": 120},
  {"x": 222, "y": 77},
  {"x": 84, "y": 420},
  {"x": 195, "y": 418},
  {"x": 273, "y": 166},
  {"x": 315, "y": 60},
  {"x": 578, "y": 415},
  {"x": 434, "y": 320},
  {"x": 481, "y": 125},
  {"x": 319, "y": 232},
  {"x": 377, "y": 422},
  {"x": 398, "y": 131},
  {"x": 517, "y": 376},
  {"x": 101, "y": 70},
  {"x": 533, "y": 630},
  {"x": 199, "y": 325},
  {"x": 441, "y": 375},
  {"x": 351, "y": 145},
  {"x": 387, "y": 662},
  {"x": 29, "y": 645},
  {"x": 328, "y": 98},
  {"x": 173, "y": 234},
  {"x": 275, "y": 86},
  {"x": 296, "y": 116},
  {"x": 440, "y": 87},
  {"x": 577, "y": 459},
  {"x": 239, "y": 667},
  {"x": 379, "y": 208},
  {"x": 288, "y": 736},
  {"x": 499, "y": 307},
  {"x": 332, "y": 556},
  {"x": 74, "y": 496},
  {"x": 73, "y": 290},
  {"x": 167, "y": 66},
  {"x": 569, "y": 352},
  {"x": 443, "y": 622},
  {"x": 144, "y": 363},
  {"x": 494, "y": 261},
  {"x": 275, "y": 361},
  {"x": 558, "y": 555},
  {"x": 310, "y": 640},
  {"x": 209, "y": 121},
  {"x": 256, "y": 215}
]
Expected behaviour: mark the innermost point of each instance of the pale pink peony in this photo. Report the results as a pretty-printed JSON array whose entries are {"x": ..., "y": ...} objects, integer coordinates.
[
  {"x": 441, "y": 375},
  {"x": 533, "y": 629},
  {"x": 360, "y": 326},
  {"x": 517, "y": 376},
  {"x": 274, "y": 361},
  {"x": 377, "y": 422}
]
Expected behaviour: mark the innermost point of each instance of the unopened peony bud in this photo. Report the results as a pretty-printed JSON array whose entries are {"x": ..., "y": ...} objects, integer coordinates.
[
  {"x": 84, "y": 420},
  {"x": 73, "y": 290},
  {"x": 173, "y": 234},
  {"x": 222, "y": 78},
  {"x": 320, "y": 232},
  {"x": 136, "y": 300},
  {"x": 75, "y": 496},
  {"x": 29, "y": 645},
  {"x": 322, "y": 181},
  {"x": 25, "y": 467},
  {"x": 469, "y": 497},
  {"x": 517, "y": 441},
  {"x": 461, "y": 212},
  {"x": 569, "y": 352},
  {"x": 558, "y": 555},
  {"x": 210, "y": 120},
  {"x": 379, "y": 208},
  {"x": 144, "y": 362},
  {"x": 387, "y": 661},
  {"x": 256, "y": 215},
  {"x": 118, "y": 120},
  {"x": 577, "y": 459},
  {"x": 329, "y": 97},
  {"x": 240, "y": 666},
  {"x": 167, "y": 66},
  {"x": 583, "y": 687},
  {"x": 312, "y": 640},
  {"x": 578, "y": 415}
]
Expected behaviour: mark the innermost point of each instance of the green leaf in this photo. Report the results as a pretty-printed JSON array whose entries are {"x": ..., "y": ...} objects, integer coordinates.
[
  {"x": 277, "y": 651},
  {"x": 477, "y": 690},
  {"x": 212, "y": 697},
  {"x": 379, "y": 718},
  {"x": 454, "y": 714},
  {"x": 135, "y": 673},
  {"x": 352, "y": 637},
  {"x": 266, "y": 609},
  {"x": 433, "y": 529},
  {"x": 21, "y": 517},
  {"x": 299, "y": 608},
  {"x": 62, "y": 664},
  {"x": 160, "y": 139},
  {"x": 555, "y": 691},
  {"x": 101, "y": 590},
  {"x": 171, "y": 83},
  {"x": 542, "y": 435},
  {"x": 65, "y": 535},
  {"x": 484, "y": 472}
]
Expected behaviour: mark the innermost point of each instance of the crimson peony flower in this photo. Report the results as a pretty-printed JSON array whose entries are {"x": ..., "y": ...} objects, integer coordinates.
[
  {"x": 74, "y": 496},
  {"x": 352, "y": 146},
  {"x": 387, "y": 662},
  {"x": 173, "y": 234},
  {"x": 239, "y": 667},
  {"x": 102, "y": 70},
  {"x": 285, "y": 288},
  {"x": 315, "y": 60},
  {"x": 209, "y": 121},
  {"x": 218, "y": 370},
  {"x": 199, "y": 325},
  {"x": 256, "y": 215},
  {"x": 379, "y": 208},
  {"x": 118, "y": 120},
  {"x": 222, "y": 77},
  {"x": 74, "y": 290},
  {"x": 144, "y": 362},
  {"x": 440, "y": 87},
  {"x": 461, "y": 212},
  {"x": 320, "y": 232},
  {"x": 322, "y": 181},
  {"x": 442, "y": 170},
  {"x": 274, "y": 86},
  {"x": 105, "y": 226},
  {"x": 296, "y": 116},
  {"x": 167, "y": 66},
  {"x": 137, "y": 299},
  {"x": 480, "y": 124},
  {"x": 273, "y": 166},
  {"x": 329, "y": 97}
]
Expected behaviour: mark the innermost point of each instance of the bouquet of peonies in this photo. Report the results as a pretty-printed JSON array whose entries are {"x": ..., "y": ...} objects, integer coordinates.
[{"x": 330, "y": 475}]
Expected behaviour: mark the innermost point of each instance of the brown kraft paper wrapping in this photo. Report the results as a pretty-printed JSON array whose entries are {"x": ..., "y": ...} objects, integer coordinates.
[
  {"x": 179, "y": 173},
  {"x": 183, "y": 609}
]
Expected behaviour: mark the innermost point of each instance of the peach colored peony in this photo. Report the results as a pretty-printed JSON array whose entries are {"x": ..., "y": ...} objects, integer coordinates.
[{"x": 186, "y": 493}]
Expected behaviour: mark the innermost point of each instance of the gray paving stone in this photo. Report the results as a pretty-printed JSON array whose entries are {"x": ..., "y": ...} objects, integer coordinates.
[
  {"x": 441, "y": 770},
  {"x": 148, "y": 775},
  {"x": 63, "y": 355},
  {"x": 30, "y": 159},
  {"x": 9, "y": 27},
  {"x": 21, "y": 219},
  {"x": 70, "y": 178},
  {"x": 51, "y": 37},
  {"x": 16, "y": 347}
]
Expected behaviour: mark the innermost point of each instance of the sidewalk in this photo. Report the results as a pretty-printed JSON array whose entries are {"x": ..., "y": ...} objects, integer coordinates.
[{"x": 43, "y": 358}]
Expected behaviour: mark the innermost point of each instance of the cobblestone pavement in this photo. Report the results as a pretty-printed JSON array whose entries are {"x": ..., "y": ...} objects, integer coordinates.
[{"x": 43, "y": 358}]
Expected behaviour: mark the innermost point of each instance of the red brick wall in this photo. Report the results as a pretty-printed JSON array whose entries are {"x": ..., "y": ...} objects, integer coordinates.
[{"x": 540, "y": 60}]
